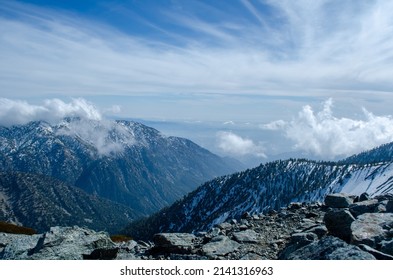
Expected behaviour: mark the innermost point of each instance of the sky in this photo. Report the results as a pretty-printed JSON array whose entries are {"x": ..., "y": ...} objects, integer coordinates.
[{"x": 252, "y": 79}]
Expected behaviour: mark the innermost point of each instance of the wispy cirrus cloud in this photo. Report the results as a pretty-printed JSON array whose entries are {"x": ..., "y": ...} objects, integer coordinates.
[{"x": 302, "y": 47}]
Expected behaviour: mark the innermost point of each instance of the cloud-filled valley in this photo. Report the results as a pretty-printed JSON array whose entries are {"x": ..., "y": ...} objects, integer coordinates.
[{"x": 320, "y": 134}]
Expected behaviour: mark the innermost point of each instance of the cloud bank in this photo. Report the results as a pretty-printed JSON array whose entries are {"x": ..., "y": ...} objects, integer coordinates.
[
  {"x": 87, "y": 123},
  {"x": 17, "y": 112},
  {"x": 99, "y": 134},
  {"x": 323, "y": 134},
  {"x": 234, "y": 145}
]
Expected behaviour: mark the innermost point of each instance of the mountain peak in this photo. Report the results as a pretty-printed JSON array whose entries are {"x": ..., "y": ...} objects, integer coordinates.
[{"x": 122, "y": 161}]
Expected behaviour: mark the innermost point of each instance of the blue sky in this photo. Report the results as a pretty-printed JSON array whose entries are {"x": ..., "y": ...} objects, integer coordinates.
[{"x": 270, "y": 69}]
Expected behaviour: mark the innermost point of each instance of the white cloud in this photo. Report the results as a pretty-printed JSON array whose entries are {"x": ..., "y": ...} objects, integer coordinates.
[
  {"x": 99, "y": 134},
  {"x": 325, "y": 135},
  {"x": 15, "y": 112},
  {"x": 234, "y": 145},
  {"x": 89, "y": 124},
  {"x": 274, "y": 125}
]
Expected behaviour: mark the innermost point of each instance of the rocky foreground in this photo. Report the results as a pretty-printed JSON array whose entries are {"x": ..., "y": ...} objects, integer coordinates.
[{"x": 344, "y": 227}]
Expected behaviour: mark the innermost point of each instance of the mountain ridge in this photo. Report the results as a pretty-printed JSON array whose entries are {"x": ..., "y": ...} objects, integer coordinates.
[
  {"x": 39, "y": 201},
  {"x": 265, "y": 188},
  {"x": 123, "y": 161}
]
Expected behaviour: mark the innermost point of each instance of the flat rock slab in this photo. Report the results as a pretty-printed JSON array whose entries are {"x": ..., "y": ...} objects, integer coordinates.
[
  {"x": 70, "y": 243},
  {"x": 367, "y": 206},
  {"x": 369, "y": 228},
  {"x": 246, "y": 236},
  {"x": 174, "y": 239},
  {"x": 330, "y": 248},
  {"x": 220, "y": 246},
  {"x": 17, "y": 246}
]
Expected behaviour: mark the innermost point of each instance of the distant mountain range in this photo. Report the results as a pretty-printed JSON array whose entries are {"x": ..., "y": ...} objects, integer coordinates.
[
  {"x": 123, "y": 162},
  {"x": 269, "y": 187},
  {"x": 106, "y": 174}
]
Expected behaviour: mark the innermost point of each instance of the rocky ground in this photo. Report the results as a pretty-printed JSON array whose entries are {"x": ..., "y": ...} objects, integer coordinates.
[{"x": 343, "y": 227}]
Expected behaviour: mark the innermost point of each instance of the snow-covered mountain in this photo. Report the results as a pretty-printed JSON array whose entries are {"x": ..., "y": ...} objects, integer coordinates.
[
  {"x": 269, "y": 186},
  {"x": 123, "y": 161}
]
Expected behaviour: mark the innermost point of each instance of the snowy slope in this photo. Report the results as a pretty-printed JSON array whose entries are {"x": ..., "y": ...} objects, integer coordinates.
[
  {"x": 270, "y": 186},
  {"x": 374, "y": 179}
]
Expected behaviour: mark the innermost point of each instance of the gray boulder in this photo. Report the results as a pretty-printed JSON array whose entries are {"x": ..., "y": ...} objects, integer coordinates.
[
  {"x": 173, "y": 242},
  {"x": 129, "y": 250},
  {"x": 246, "y": 236},
  {"x": 330, "y": 248},
  {"x": 364, "y": 197},
  {"x": 338, "y": 200},
  {"x": 366, "y": 206},
  {"x": 174, "y": 239},
  {"x": 220, "y": 246},
  {"x": 17, "y": 246},
  {"x": 338, "y": 222},
  {"x": 73, "y": 243},
  {"x": 298, "y": 240},
  {"x": 369, "y": 228}
]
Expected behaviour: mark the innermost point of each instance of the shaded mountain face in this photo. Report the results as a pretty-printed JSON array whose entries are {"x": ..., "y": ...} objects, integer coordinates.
[
  {"x": 123, "y": 161},
  {"x": 268, "y": 187},
  {"x": 39, "y": 201}
]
